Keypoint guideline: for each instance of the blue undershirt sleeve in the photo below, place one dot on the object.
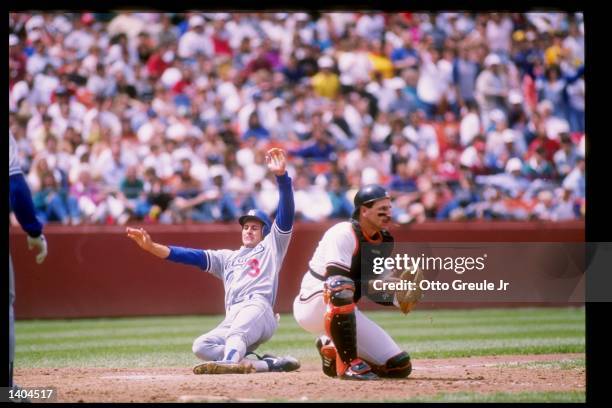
(286, 207)
(188, 256)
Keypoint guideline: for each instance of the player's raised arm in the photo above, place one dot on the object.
(277, 163)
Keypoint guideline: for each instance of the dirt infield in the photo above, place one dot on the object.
(483, 375)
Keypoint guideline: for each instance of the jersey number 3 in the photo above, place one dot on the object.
(254, 267)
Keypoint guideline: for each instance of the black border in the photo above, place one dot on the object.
(597, 23)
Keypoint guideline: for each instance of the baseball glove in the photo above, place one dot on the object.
(406, 299)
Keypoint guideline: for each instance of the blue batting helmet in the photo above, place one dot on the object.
(257, 215)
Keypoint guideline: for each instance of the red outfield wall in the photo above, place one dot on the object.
(96, 271)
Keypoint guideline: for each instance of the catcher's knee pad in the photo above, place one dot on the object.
(338, 290)
(340, 322)
(398, 366)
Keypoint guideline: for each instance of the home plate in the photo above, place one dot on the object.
(143, 377)
(216, 398)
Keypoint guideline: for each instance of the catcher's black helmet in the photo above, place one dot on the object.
(368, 194)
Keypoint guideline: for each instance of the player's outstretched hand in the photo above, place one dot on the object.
(276, 159)
(141, 237)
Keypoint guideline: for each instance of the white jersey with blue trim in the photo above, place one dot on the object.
(250, 272)
(14, 165)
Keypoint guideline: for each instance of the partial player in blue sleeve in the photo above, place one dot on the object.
(20, 200)
(250, 278)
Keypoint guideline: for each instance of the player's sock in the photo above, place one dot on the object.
(261, 366)
(235, 349)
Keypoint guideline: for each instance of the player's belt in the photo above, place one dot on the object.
(316, 275)
(245, 298)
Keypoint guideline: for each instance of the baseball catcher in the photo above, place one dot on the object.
(250, 278)
(351, 345)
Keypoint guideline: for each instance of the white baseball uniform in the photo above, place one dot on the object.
(337, 248)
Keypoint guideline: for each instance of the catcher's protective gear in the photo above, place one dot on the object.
(260, 216)
(340, 319)
(398, 366)
(357, 370)
(368, 194)
(407, 298)
(338, 290)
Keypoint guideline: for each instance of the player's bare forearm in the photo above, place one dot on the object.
(159, 250)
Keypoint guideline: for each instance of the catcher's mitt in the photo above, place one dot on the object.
(407, 298)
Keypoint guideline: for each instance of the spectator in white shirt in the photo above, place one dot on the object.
(371, 25)
(37, 62)
(312, 203)
(433, 82)
(44, 84)
(79, 39)
(75, 110)
(100, 118)
(574, 43)
(499, 33)
(575, 180)
(363, 157)
(565, 158)
(159, 160)
(423, 135)
(491, 88)
(470, 126)
(353, 62)
(195, 41)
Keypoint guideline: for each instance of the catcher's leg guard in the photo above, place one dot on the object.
(340, 325)
(398, 366)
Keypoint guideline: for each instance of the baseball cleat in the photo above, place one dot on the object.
(327, 351)
(360, 371)
(281, 364)
(224, 367)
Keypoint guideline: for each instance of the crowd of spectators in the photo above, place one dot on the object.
(166, 117)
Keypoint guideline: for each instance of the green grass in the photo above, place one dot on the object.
(166, 341)
(557, 396)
